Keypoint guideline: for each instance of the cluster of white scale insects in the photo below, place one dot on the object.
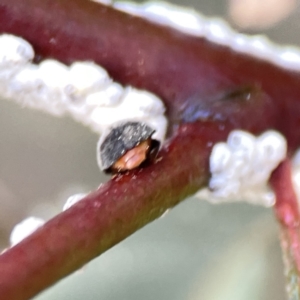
(31, 224)
(83, 90)
(215, 30)
(240, 168)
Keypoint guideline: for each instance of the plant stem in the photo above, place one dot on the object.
(287, 213)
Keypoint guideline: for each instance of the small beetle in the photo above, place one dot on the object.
(126, 146)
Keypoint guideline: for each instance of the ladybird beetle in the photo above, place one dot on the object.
(126, 146)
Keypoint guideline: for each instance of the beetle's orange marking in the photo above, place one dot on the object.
(133, 158)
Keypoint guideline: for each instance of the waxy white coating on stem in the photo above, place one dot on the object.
(31, 224)
(83, 90)
(241, 167)
(105, 2)
(213, 29)
(296, 174)
(24, 229)
(73, 200)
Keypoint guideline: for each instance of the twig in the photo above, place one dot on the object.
(287, 213)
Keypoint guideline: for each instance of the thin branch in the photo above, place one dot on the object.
(110, 214)
(287, 213)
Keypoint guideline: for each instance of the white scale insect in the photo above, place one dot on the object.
(241, 167)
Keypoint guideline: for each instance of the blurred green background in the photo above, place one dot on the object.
(196, 251)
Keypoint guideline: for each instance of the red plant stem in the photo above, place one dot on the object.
(189, 73)
(108, 215)
(205, 85)
(287, 213)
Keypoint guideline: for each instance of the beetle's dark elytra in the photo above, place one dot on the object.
(122, 138)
